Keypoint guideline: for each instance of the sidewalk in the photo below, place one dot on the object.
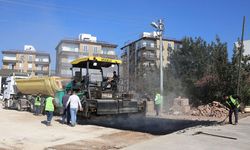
(228, 137)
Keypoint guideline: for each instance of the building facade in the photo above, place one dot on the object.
(142, 57)
(26, 61)
(86, 45)
(246, 44)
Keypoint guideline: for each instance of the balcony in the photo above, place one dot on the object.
(66, 53)
(45, 72)
(67, 65)
(40, 71)
(106, 56)
(124, 54)
(147, 47)
(41, 63)
(147, 57)
(9, 60)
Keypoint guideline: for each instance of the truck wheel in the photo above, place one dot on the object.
(5, 104)
(31, 108)
(19, 108)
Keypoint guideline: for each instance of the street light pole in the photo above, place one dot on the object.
(160, 28)
(240, 55)
(161, 59)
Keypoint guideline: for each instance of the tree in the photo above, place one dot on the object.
(189, 64)
(201, 68)
(245, 74)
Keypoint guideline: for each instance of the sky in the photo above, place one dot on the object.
(43, 23)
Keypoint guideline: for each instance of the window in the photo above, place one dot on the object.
(152, 44)
(45, 59)
(30, 66)
(146, 64)
(30, 57)
(177, 46)
(109, 51)
(85, 48)
(42, 59)
(169, 45)
(70, 47)
(39, 67)
(71, 58)
(66, 72)
(10, 66)
(39, 74)
(95, 50)
(105, 51)
(152, 64)
(20, 65)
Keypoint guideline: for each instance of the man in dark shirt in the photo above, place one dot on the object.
(66, 110)
(114, 81)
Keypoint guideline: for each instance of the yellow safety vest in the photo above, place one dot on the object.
(38, 101)
(232, 102)
(49, 104)
(158, 99)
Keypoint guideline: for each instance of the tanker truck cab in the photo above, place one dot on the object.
(97, 79)
(10, 90)
(10, 85)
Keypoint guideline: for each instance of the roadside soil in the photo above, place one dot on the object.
(23, 130)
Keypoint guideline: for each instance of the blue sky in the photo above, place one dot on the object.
(43, 23)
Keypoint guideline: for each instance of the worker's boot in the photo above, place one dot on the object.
(48, 123)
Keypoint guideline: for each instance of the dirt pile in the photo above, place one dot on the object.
(214, 109)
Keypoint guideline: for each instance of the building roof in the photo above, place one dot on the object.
(101, 62)
(152, 38)
(24, 52)
(77, 41)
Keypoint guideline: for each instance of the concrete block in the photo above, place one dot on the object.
(185, 109)
(150, 107)
(184, 102)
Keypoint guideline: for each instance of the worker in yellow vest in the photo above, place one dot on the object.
(233, 104)
(49, 108)
(37, 104)
(158, 102)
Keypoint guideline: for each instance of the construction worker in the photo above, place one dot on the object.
(37, 104)
(158, 102)
(233, 104)
(66, 110)
(114, 81)
(49, 108)
(74, 102)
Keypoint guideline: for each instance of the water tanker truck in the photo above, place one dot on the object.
(21, 90)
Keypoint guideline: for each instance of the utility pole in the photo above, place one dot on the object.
(160, 28)
(240, 55)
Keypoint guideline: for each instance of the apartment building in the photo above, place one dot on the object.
(143, 56)
(86, 45)
(246, 44)
(27, 61)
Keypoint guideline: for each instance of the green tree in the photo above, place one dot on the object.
(189, 64)
(244, 72)
(201, 68)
